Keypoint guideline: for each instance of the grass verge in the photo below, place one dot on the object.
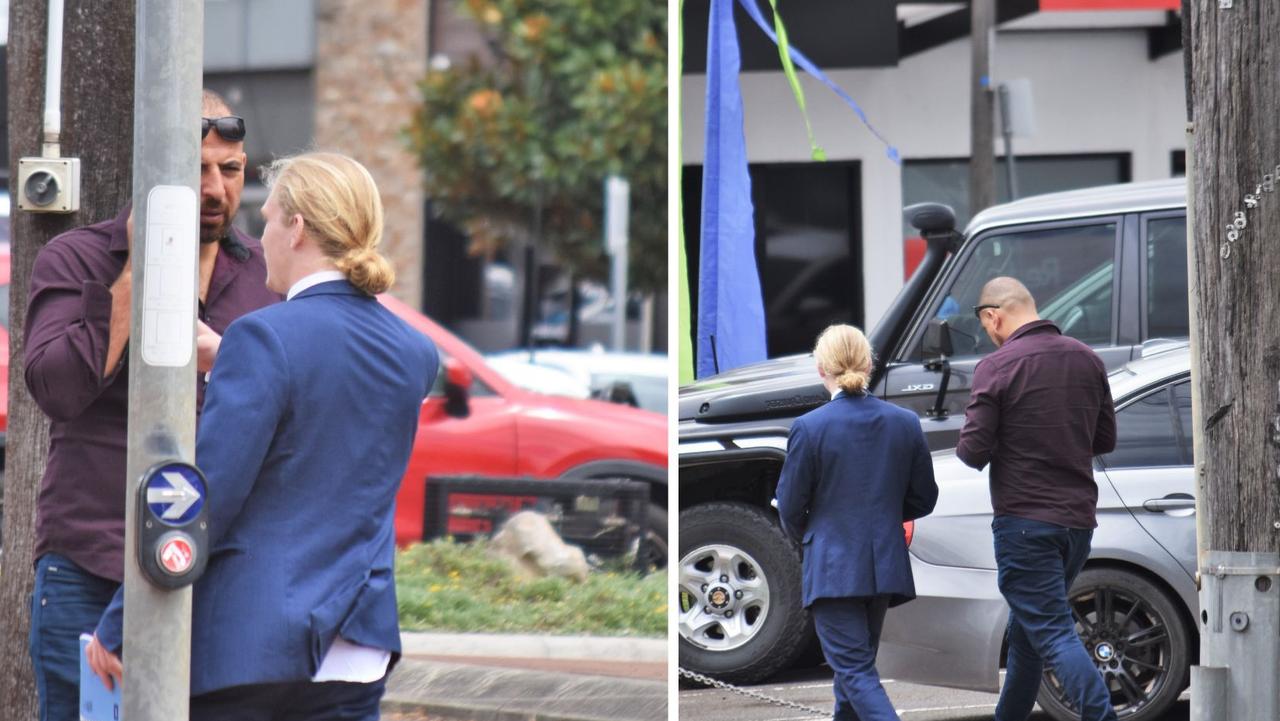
(448, 586)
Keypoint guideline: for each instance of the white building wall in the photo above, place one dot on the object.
(1094, 92)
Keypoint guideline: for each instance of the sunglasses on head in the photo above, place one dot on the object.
(229, 127)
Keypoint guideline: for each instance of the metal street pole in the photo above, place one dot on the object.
(162, 417)
(617, 208)
(1006, 130)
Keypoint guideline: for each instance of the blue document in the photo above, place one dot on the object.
(96, 702)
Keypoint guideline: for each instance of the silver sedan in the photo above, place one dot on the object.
(1134, 603)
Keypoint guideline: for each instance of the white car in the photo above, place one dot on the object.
(539, 379)
(609, 375)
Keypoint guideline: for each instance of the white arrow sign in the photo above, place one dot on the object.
(182, 496)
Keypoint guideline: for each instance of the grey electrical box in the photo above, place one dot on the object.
(48, 185)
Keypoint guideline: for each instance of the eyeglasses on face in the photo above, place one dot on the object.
(229, 127)
(977, 309)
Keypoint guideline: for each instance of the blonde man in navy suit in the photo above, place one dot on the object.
(856, 469)
(307, 428)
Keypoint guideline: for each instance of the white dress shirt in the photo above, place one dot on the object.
(314, 279)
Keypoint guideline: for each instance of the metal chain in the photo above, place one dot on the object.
(708, 681)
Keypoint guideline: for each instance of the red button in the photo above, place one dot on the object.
(176, 556)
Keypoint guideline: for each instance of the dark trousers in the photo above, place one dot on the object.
(296, 701)
(849, 631)
(66, 602)
(1036, 564)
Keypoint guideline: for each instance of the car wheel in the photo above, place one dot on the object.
(740, 614)
(653, 545)
(1137, 637)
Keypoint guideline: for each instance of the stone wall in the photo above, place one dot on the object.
(370, 55)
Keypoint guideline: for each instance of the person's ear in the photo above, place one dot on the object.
(296, 225)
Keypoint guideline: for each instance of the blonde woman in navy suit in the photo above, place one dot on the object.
(856, 469)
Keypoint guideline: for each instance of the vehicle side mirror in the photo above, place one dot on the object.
(620, 392)
(457, 389)
(937, 339)
(936, 347)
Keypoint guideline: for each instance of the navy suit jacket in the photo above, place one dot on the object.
(856, 468)
(306, 432)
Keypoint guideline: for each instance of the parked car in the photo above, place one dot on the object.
(1135, 603)
(645, 375)
(1107, 264)
(476, 422)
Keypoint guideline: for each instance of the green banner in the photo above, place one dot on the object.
(685, 352)
(784, 52)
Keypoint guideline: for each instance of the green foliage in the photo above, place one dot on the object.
(447, 586)
(575, 90)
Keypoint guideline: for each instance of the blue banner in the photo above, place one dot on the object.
(731, 329)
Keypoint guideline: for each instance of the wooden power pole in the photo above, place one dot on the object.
(982, 147)
(97, 127)
(1234, 168)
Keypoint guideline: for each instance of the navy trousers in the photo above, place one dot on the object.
(1037, 563)
(297, 701)
(849, 631)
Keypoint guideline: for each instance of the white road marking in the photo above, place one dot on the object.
(947, 708)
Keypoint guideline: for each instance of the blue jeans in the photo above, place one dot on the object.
(1036, 564)
(849, 631)
(67, 601)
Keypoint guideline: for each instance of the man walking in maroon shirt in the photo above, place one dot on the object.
(76, 368)
(1039, 411)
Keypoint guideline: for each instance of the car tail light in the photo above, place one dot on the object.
(909, 528)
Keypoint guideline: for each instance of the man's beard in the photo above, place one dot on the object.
(216, 233)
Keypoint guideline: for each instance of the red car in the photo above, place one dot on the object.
(499, 430)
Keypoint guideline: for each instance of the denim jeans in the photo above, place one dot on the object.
(67, 601)
(1036, 564)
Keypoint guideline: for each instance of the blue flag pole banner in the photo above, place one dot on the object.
(731, 330)
(753, 10)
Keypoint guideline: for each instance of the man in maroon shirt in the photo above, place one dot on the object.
(77, 370)
(1039, 411)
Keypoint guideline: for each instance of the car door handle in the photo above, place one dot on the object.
(1172, 502)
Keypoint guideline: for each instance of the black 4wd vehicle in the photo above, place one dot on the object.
(1108, 265)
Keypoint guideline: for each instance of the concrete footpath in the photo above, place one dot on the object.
(496, 677)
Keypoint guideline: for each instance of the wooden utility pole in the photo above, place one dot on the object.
(1236, 151)
(97, 127)
(1233, 170)
(982, 146)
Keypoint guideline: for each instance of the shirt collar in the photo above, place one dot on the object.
(1032, 327)
(119, 242)
(314, 279)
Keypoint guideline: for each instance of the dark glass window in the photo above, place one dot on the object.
(1182, 403)
(1167, 278)
(947, 180)
(1069, 271)
(1146, 435)
(808, 247)
(479, 389)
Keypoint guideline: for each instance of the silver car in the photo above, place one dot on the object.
(1134, 603)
